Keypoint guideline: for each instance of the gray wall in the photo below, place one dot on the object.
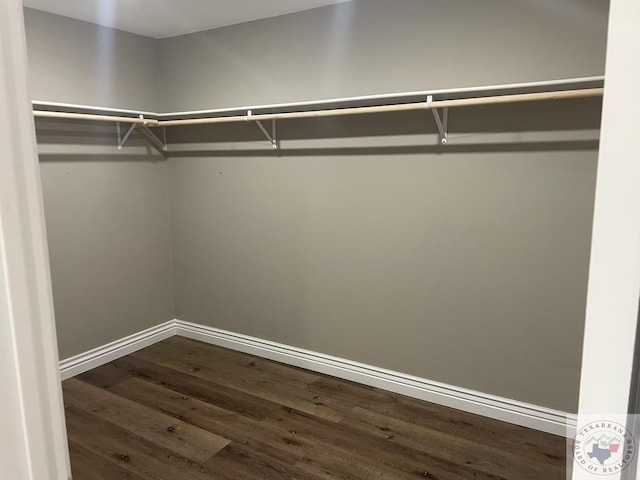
(106, 212)
(466, 265)
(109, 236)
(77, 62)
(469, 269)
(379, 46)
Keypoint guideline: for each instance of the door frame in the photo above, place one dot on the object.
(34, 443)
(606, 383)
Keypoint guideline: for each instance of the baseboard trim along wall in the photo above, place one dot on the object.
(499, 408)
(78, 364)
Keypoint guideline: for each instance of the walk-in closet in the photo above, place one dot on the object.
(324, 239)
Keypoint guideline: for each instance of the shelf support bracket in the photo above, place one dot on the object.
(272, 137)
(122, 139)
(154, 141)
(442, 124)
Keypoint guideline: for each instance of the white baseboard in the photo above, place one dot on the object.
(78, 364)
(492, 406)
(499, 408)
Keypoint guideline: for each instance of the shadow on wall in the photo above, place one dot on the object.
(486, 148)
(72, 140)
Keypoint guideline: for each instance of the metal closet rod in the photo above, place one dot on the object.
(463, 102)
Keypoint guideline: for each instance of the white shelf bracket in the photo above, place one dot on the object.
(442, 124)
(122, 139)
(160, 145)
(154, 141)
(272, 137)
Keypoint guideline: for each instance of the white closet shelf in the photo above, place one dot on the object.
(397, 98)
(141, 120)
(250, 115)
(434, 100)
(472, 93)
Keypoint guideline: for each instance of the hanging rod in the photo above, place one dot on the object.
(463, 102)
(93, 117)
(394, 97)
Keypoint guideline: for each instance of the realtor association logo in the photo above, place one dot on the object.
(604, 447)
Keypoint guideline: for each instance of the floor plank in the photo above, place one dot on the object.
(265, 384)
(184, 409)
(131, 452)
(246, 461)
(531, 444)
(87, 465)
(178, 436)
(211, 392)
(104, 376)
(481, 455)
(269, 440)
(382, 458)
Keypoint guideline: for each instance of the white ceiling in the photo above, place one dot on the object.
(168, 18)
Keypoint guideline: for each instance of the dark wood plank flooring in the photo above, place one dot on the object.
(185, 410)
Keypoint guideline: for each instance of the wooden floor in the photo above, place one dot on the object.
(184, 410)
